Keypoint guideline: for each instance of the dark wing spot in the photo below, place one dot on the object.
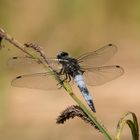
(109, 44)
(18, 77)
(15, 57)
(117, 66)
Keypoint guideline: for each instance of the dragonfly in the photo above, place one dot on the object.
(87, 69)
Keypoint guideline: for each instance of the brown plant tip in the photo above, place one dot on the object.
(74, 111)
(38, 49)
(2, 33)
(1, 45)
(1, 37)
(34, 46)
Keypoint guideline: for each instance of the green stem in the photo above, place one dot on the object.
(93, 118)
(84, 108)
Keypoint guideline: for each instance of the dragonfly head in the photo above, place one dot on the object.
(62, 55)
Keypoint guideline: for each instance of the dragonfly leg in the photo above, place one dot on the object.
(61, 72)
(60, 84)
(69, 78)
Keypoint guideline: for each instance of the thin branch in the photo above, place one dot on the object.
(4, 35)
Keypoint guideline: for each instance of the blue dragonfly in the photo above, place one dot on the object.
(87, 69)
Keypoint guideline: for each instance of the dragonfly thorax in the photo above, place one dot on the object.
(70, 65)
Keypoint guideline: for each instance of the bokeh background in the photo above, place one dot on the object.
(75, 26)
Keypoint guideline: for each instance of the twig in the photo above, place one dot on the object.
(4, 35)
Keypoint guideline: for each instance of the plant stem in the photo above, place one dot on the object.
(92, 117)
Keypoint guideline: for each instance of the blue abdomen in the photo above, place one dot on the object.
(82, 86)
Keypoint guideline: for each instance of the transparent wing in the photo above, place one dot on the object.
(99, 57)
(100, 75)
(28, 64)
(36, 81)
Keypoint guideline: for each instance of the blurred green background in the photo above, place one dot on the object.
(75, 26)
